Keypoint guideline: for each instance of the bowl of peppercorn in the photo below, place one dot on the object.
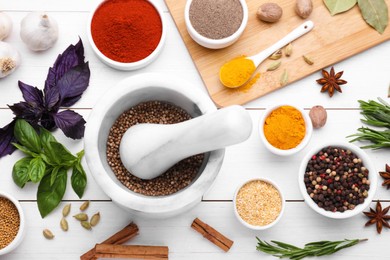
(12, 223)
(337, 180)
(127, 34)
(155, 99)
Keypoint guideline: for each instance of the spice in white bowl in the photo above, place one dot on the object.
(258, 204)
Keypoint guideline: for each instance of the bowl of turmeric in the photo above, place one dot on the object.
(285, 129)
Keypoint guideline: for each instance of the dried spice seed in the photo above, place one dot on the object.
(258, 203)
(48, 234)
(86, 225)
(84, 206)
(95, 219)
(81, 217)
(284, 78)
(64, 224)
(378, 217)
(288, 50)
(274, 65)
(173, 180)
(66, 210)
(9, 222)
(336, 179)
(308, 60)
(331, 81)
(276, 55)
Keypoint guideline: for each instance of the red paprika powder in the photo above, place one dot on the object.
(126, 30)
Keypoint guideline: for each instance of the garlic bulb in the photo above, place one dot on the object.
(9, 59)
(5, 25)
(39, 31)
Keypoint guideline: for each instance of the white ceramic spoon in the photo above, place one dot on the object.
(260, 57)
(148, 150)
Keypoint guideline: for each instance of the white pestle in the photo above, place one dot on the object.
(148, 150)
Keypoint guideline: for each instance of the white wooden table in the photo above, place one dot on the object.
(368, 76)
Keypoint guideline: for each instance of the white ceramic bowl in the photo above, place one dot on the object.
(373, 177)
(246, 224)
(19, 237)
(215, 43)
(128, 93)
(130, 65)
(277, 151)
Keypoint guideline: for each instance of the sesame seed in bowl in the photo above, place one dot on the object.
(258, 204)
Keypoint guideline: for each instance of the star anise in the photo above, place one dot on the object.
(378, 217)
(331, 81)
(386, 175)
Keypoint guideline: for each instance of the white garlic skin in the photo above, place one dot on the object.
(39, 31)
(9, 59)
(5, 25)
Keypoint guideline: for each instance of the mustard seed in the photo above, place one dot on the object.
(9, 222)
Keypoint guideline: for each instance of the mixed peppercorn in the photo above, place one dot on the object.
(336, 179)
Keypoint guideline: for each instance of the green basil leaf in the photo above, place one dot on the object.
(20, 171)
(24, 150)
(375, 13)
(51, 156)
(49, 196)
(339, 6)
(36, 169)
(80, 154)
(79, 179)
(65, 157)
(54, 174)
(27, 136)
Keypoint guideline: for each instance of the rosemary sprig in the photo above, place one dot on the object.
(375, 114)
(283, 250)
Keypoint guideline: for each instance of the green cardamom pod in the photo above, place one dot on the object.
(95, 219)
(84, 206)
(66, 210)
(274, 65)
(64, 224)
(284, 78)
(86, 225)
(81, 217)
(48, 234)
(288, 50)
(276, 55)
(308, 60)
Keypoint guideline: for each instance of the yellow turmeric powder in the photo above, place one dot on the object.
(285, 128)
(236, 72)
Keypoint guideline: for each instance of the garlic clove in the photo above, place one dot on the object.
(39, 31)
(9, 59)
(5, 25)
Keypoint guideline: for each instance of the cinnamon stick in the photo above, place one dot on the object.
(212, 235)
(127, 233)
(130, 251)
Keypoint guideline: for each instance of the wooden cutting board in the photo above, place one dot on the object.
(333, 39)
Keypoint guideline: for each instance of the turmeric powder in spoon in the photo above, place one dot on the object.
(236, 72)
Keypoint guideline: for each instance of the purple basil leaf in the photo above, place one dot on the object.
(71, 123)
(32, 95)
(71, 57)
(52, 98)
(47, 121)
(6, 139)
(72, 85)
(25, 111)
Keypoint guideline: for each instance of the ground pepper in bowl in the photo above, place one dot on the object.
(178, 176)
(126, 30)
(9, 222)
(336, 179)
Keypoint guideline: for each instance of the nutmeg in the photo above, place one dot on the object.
(318, 116)
(269, 12)
(303, 8)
